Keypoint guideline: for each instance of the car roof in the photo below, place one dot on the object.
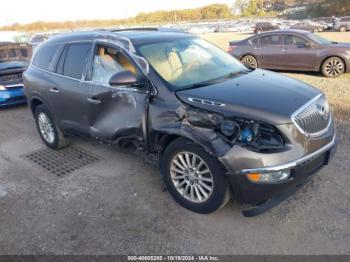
(136, 36)
(287, 31)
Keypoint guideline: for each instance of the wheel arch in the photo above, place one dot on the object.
(329, 56)
(34, 103)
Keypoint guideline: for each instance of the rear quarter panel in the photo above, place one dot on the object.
(36, 85)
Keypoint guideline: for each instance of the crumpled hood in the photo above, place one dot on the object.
(258, 95)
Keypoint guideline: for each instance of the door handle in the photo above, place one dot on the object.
(54, 90)
(94, 101)
(257, 48)
(285, 50)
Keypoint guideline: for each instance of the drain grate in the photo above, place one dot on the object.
(64, 161)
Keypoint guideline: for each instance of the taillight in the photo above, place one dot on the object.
(231, 48)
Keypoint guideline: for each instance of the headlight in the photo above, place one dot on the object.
(2, 88)
(256, 136)
(272, 177)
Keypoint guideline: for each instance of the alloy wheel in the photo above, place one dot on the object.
(250, 62)
(191, 177)
(334, 67)
(46, 128)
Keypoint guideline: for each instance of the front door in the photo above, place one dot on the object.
(297, 55)
(115, 112)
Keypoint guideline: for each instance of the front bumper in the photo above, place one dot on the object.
(272, 193)
(12, 97)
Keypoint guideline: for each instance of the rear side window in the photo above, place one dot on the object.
(270, 40)
(345, 19)
(44, 58)
(75, 60)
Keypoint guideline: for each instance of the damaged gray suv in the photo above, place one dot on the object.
(219, 129)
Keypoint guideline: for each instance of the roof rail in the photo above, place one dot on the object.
(159, 29)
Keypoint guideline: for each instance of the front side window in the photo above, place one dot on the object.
(293, 40)
(255, 41)
(44, 57)
(189, 61)
(319, 39)
(75, 60)
(107, 62)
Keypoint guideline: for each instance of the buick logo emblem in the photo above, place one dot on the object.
(323, 111)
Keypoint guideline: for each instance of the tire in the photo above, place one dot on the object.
(188, 190)
(249, 61)
(48, 131)
(333, 67)
(342, 29)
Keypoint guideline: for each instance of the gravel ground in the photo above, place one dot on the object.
(118, 205)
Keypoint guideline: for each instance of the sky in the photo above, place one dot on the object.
(26, 11)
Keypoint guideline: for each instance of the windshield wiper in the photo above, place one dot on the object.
(217, 80)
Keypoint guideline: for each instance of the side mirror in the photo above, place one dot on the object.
(123, 78)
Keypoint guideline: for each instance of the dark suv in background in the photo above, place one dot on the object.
(216, 126)
(264, 26)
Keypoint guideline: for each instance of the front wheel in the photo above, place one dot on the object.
(194, 178)
(333, 67)
(47, 129)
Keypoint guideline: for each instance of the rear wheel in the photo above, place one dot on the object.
(333, 67)
(194, 178)
(47, 129)
(249, 61)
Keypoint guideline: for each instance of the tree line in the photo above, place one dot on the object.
(313, 8)
(214, 11)
(240, 8)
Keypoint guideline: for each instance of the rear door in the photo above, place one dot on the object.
(68, 96)
(115, 112)
(296, 54)
(269, 50)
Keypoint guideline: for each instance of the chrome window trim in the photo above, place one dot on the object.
(53, 73)
(289, 165)
(301, 109)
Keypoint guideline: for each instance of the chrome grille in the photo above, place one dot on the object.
(314, 118)
(13, 77)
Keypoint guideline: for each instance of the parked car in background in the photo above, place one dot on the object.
(216, 126)
(38, 39)
(293, 50)
(264, 26)
(14, 59)
(342, 24)
(328, 21)
(309, 26)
